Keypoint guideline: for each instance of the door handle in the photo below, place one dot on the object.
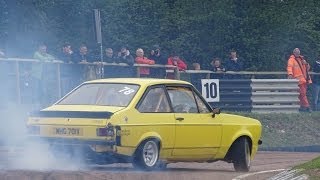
(179, 118)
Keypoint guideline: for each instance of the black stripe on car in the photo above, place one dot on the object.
(73, 114)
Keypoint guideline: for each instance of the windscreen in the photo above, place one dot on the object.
(104, 94)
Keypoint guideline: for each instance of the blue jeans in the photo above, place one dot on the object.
(316, 91)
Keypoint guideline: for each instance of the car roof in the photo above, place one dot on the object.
(139, 81)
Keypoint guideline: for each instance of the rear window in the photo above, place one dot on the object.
(104, 94)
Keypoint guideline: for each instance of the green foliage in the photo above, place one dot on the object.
(3, 22)
(263, 32)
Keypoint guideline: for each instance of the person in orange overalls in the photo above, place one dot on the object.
(298, 68)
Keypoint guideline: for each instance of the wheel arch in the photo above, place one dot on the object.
(147, 136)
(229, 154)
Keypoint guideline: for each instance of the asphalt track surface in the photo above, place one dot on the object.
(266, 164)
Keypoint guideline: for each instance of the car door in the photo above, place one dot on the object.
(198, 134)
(156, 118)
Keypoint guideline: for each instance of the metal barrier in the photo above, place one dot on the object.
(248, 94)
(57, 78)
(259, 95)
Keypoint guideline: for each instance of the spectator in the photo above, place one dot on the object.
(70, 72)
(316, 84)
(107, 71)
(298, 68)
(124, 56)
(140, 59)
(196, 66)
(196, 77)
(109, 58)
(42, 54)
(88, 71)
(159, 58)
(176, 61)
(120, 70)
(67, 55)
(217, 68)
(83, 56)
(42, 78)
(234, 64)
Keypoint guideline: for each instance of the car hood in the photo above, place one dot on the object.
(239, 119)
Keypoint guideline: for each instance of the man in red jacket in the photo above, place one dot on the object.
(176, 61)
(140, 59)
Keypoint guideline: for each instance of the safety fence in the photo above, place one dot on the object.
(26, 81)
(239, 91)
(259, 95)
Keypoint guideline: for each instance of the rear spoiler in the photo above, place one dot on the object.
(73, 114)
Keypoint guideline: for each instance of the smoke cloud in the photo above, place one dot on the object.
(18, 153)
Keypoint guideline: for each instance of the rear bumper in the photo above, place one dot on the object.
(70, 141)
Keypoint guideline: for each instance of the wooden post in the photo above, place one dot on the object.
(18, 82)
(138, 71)
(208, 76)
(176, 73)
(59, 80)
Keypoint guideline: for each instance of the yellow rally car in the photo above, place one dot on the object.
(149, 122)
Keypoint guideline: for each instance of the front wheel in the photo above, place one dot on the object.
(242, 155)
(147, 155)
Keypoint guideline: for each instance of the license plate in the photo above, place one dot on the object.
(63, 131)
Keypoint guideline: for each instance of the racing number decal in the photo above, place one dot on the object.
(210, 90)
(126, 91)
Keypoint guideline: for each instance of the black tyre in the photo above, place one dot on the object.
(147, 155)
(242, 155)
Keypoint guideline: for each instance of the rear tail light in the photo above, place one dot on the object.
(33, 129)
(106, 131)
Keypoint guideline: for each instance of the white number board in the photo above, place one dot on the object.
(210, 90)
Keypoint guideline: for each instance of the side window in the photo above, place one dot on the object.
(202, 105)
(182, 100)
(155, 101)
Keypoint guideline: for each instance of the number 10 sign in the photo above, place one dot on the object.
(210, 90)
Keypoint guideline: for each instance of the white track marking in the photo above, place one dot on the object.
(260, 172)
(301, 177)
(288, 174)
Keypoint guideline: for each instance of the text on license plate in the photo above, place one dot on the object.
(68, 131)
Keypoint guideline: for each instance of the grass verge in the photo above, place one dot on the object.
(288, 130)
(312, 168)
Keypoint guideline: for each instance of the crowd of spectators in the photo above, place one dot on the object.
(124, 57)
(82, 65)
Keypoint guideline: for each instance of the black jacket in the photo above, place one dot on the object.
(158, 72)
(316, 69)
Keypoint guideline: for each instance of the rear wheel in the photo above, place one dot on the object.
(147, 155)
(242, 155)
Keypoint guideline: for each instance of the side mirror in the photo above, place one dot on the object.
(215, 111)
